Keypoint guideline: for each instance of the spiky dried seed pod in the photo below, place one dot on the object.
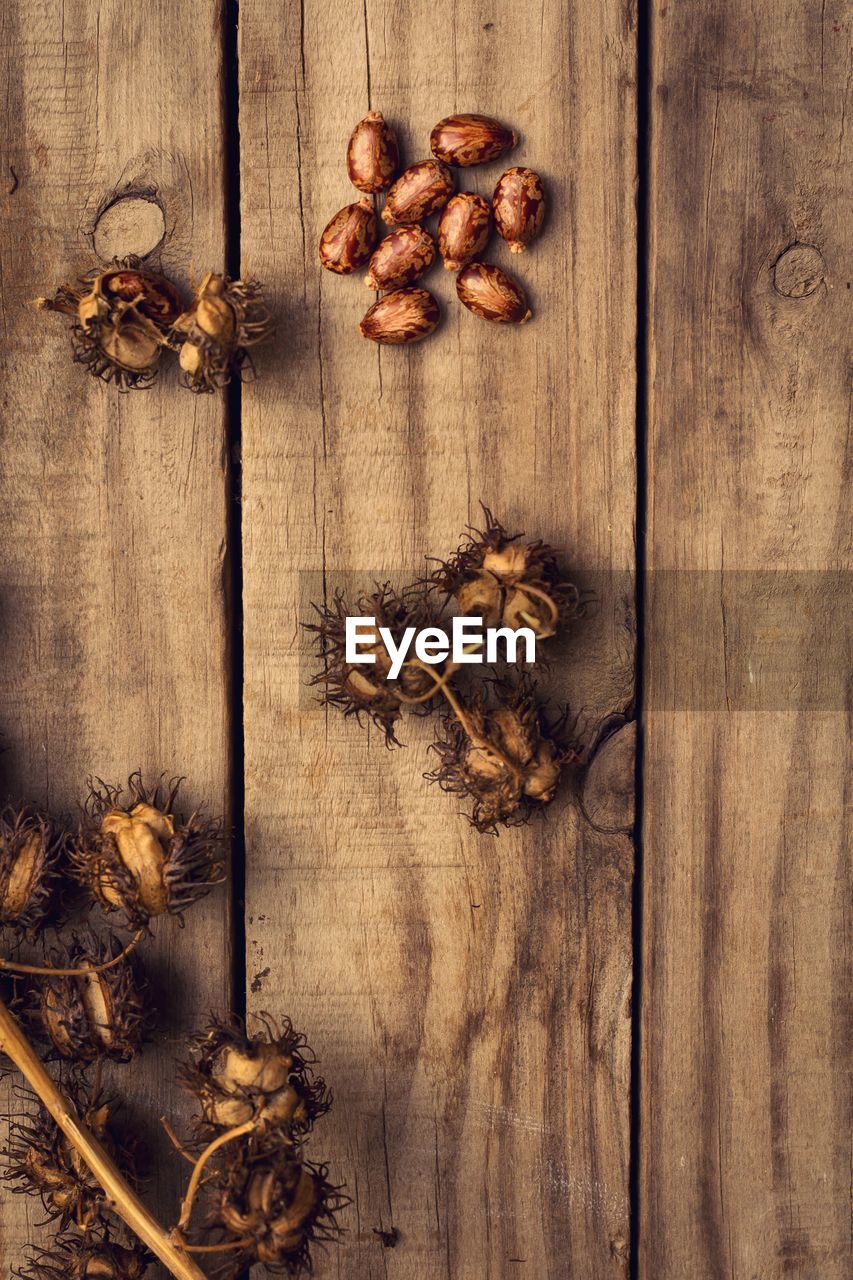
(100, 1015)
(420, 191)
(372, 154)
(491, 294)
(90, 1257)
(40, 1160)
(122, 316)
(280, 1206)
(347, 241)
(470, 139)
(519, 207)
(30, 851)
(365, 690)
(137, 856)
(505, 761)
(401, 258)
(406, 315)
(213, 336)
(265, 1078)
(506, 582)
(463, 229)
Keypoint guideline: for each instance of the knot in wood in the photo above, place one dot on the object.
(798, 271)
(132, 224)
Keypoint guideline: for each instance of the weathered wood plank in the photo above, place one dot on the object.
(112, 539)
(745, 1105)
(468, 997)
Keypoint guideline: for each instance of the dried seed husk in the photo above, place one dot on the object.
(506, 759)
(122, 316)
(348, 239)
(465, 140)
(401, 258)
(364, 691)
(137, 856)
(100, 1015)
(372, 154)
(31, 849)
(463, 229)
(280, 1205)
(406, 315)
(421, 190)
(214, 335)
(265, 1078)
(40, 1160)
(507, 582)
(518, 205)
(88, 1257)
(491, 294)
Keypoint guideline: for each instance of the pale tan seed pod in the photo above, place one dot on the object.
(465, 140)
(401, 258)
(463, 229)
(519, 207)
(213, 336)
(347, 241)
(492, 294)
(372, 154)
(30, 850)
(420, 191)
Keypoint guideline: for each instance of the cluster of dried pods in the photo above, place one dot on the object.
(87, 1003)
(497, 747)
(127, 315)
(349, 242)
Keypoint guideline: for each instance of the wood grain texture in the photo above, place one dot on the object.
(112, 540)
(745, 1099)
(469, 998)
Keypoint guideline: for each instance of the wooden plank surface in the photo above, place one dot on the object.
(112, 541)
(745, 1103)
(469, 998)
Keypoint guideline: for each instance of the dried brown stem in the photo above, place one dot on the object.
(82, 971)
(230, 1135)
(124, 1199)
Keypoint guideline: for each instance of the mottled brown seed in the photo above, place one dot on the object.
(401, 258)
(491, 294)
(463, 229)
(519, 207)
(470, 139)
(407, 315)
(372, 154)
(348, 240)
(420, 190)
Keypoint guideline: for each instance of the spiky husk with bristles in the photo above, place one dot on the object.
(88, 1257)
(213, 336)
(266, 1077)
(506, 582)
(121, 318)
(30, 852)
(101, 1015)
(136, 856)
(364, 690)
(40, 1160)
(280, 1205)
(510, 762)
